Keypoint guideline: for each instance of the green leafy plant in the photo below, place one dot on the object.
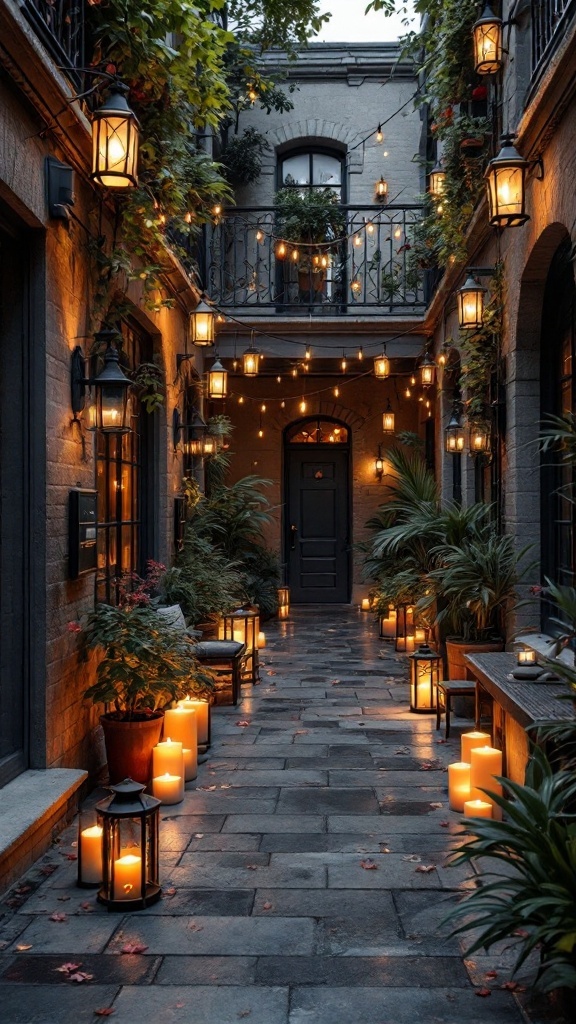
(536, 903)
(309, 217)
(262, 577)
(204, 581)
(242, 157)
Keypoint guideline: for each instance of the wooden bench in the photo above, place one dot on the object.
(446, 690)
(516, 704)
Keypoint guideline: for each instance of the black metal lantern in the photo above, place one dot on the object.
(217, 380)
(506, 185)
(424, 679)
(130, 862)
(487, 35)
(381, 190)
(437, 181)
(525, 656)
(405, 628)
(381, 366)
(283, 602)
(479, 438)
(470, 302)
(115, 142)
(427, 370)
(379, 464)
(243, 626)
(388, 420)
(202, 325)
(194, 434)
(251, 362)
(108, 407)
(455, 434)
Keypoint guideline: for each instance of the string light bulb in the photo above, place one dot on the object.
(336, 392)
(281, 250)
(278, 379)
(260, 432)
(357, 240)
(379, 135)
(263, 408)
(360, 354)
(259, 235)
(295, 255)
(217, 210)
(282, 404)
(294, 371)
(344, 364)
(398, 233)
(308, 353)
(303, 406)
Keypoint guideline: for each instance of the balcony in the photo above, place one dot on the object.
(60, 24)
(368, 272)
(549, 22)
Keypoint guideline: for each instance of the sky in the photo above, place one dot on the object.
(348, 23)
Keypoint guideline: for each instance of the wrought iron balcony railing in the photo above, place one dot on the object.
(548, 16)
(60, 24)
(369, 270)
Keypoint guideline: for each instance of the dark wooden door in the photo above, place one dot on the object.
(317, 526)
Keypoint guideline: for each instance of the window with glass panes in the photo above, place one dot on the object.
(314, 168)
(119, 484)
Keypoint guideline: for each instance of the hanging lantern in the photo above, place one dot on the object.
(379, 464)
(454, 434)
(381, 190)
(470, 302)
(388, 624)
(108, 407)
(427, 370)
(251, 362)
(479, 439)
(217, 380)
(506, 185)
(115, 142)
(202, 325)
(487, 33)
(243, 626)
(437, 181)
(388, 420)
(424, 679)
(381, 366)
(130, 870)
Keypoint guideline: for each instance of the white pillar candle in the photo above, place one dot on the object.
(168, 789)
(470, 740)
(485, 764)
(420, 635)
(239, 636)
(458, 785)
(180, 725)
(190, 764)
(167, 756)
(202, 709)
(261, 640)
(477, 809)
(91, 854)
(410, 643)
(365, 604)
(128, 877)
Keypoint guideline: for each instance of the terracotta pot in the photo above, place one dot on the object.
(456, 649)
(129, 746)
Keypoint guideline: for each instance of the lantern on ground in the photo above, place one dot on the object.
(487, 35)
(381, 190)
(388, 420)
(217, 380)
(427, 370)
(470, 302)
(381, 366)
(107, 405)
(405, 628)
(388, 624)
(424, 679)
(479, 439)
(437, 181)
(251, 362)
(525, 656)
(115, 142)
(506, 185)
(130, 867)
(283, 602)
(202, 325)
(243, 626)
(455, 434)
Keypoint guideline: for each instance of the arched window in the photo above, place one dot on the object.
(313, 168)
(317, 431)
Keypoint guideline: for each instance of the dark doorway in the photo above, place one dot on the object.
(317, 512)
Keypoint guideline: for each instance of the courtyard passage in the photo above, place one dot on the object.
(304, 874)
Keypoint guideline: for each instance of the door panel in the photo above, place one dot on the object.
(317, 506)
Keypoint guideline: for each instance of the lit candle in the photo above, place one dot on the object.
(202, 709)
(420, 635)
(167, 757)
(239, 636)
(168, 789)
(388, 624)
(365, 604)
(128, 877)
(91, 854)
(477, 809)
(261, 640)
(190, 764)
(410, 643)
(180, 724)
(458, 784)
(485, 764)
(526, 657)
(470, 740)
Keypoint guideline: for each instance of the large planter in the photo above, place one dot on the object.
(458, 668)
(129, 745)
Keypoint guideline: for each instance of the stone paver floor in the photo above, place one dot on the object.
(292, 872)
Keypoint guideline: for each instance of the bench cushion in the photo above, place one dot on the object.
(218, 649)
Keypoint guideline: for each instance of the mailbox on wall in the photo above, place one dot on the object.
(82, 526)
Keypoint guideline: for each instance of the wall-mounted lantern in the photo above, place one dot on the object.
(381, 190)
(202, 325)
(470, 303)
(455, 433)
(379, 464)
(437, 182)
(479, 439)
(506, 185)
(487, 34)
(107, 407)
(427, 370)
(115, 136)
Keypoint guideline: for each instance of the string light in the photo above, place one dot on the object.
(282, 404)
(355, 286)
(379, 134)
(370, 228)
(413, 380)
(279, 379)
(295, 255)
(344, 364)
(360, 354)
(294, 371)
(398, 233)
(407, 393)
(357, 240)
(336, 392)
(308, 353)
(263, 408)
(303, 407)
(217, 210)
(281, 251)
(259, 236)
(241, 400)
(260, 432)
(188, 218)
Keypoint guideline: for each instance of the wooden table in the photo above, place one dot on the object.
(517, 703)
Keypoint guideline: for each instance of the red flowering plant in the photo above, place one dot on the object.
(147, 663)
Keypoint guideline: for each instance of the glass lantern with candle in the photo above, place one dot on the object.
(283, 602)
(525, 656)
(405, 628)
(424, 678)
(130, 860)
(243, 626)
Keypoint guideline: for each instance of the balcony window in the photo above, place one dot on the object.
(312, 169)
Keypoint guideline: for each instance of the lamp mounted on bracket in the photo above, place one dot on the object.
(379, 464)
(108, 409)
(470, 298)
(115, 139)
(202, 325)
(427, 370)
(505, 178)
(194, 433)
(455, 431)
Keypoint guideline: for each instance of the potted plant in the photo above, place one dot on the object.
(311, 218)
(146, 664)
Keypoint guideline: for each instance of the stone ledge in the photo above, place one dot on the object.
(33, 805)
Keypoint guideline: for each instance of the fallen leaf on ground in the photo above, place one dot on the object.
(48, 869)
(426, 767)
(193, 927)
(226, 785)
(242, 724)
(57, 916)
(491, 974)
(383, 848)
(267, 906)
(67, 968)
(482, 992)
(441, 741)
(252, 867)
(413, 857)
(301, 732)
(88, 907)
(271, 673)
(105, 1011)
(521, 933)
(23, 947)
(511, 986)
(169, 892)
(198, 835)
(436, 806)
(425, 869)
(80, 976)
(71, 856)
(63, 899)
(134, 947)
(368, 864)
(444, 824)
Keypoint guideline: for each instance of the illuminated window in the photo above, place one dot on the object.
(317, 431)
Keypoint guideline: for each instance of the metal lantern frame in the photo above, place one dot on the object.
(388, 420)
(437, 181)
(283, 602)
(427, 370)
(217, 379)
(115, 141)
(251, 362)
(405, 628)
(129, 813)
(424, 678)
(108, 408)
(381, 366)
(470, 299)
(379, 464)
(454, 434)
(381, 191)
(203, 325)
(505, 178)
(487, 34)
(243, 626)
